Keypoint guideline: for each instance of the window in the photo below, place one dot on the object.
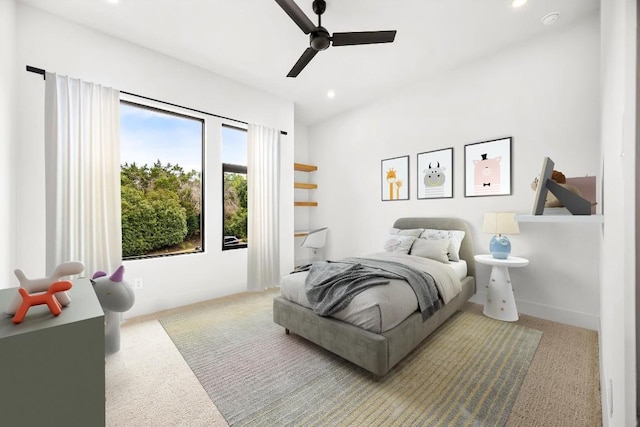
(234, 191)
(161, 182)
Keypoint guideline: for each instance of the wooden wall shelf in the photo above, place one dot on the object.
(301, 167)
(304, 168)
(305, 186)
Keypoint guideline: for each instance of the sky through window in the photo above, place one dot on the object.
(148, 136)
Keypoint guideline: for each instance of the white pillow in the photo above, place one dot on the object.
(433, 249)
(416, 232)
(455, 240)
(398, 243)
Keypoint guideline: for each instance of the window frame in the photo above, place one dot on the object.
(230, 168)
(163, 110)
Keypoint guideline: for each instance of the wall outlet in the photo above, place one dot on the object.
(137, 283)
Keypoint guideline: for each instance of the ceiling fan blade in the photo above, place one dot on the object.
(302, 62)
(363, 37)
(298, 16)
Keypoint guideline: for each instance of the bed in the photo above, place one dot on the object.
(376, 351)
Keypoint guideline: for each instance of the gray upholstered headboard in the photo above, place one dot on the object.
(466, 249)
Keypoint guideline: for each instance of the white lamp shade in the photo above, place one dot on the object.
(500, 223)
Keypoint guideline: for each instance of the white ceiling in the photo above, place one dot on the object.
(256, 43)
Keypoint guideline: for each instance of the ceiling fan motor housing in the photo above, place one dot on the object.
(319, 6)
(319, 39)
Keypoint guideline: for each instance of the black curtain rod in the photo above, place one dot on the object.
(44, 76)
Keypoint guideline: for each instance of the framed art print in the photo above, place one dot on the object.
(395, 178)
(487, 168)
(435, 174)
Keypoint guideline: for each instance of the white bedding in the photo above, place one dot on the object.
(381, 308)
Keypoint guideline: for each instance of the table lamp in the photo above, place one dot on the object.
(500, 223)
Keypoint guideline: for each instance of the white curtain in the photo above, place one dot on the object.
(82, 166)
(263, 181)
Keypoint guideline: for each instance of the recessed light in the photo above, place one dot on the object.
(550, 18)
(518, 3)
(331, 94)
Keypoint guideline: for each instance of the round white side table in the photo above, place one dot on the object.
(500, 302)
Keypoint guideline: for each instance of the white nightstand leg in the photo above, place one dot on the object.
(500, 303)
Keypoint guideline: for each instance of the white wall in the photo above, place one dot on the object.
(617, 291)
(302, 213)
(545, 95)
(60, 46)
(7, 135)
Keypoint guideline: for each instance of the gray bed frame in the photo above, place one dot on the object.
(378, 353)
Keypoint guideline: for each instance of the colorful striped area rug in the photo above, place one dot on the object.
(467, 373)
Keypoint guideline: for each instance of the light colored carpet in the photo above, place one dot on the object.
(149, 383)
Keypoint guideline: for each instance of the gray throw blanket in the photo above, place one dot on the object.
(330, 286)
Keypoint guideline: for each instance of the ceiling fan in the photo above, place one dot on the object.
(319, 38)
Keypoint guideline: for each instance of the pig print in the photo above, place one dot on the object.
(486, 176)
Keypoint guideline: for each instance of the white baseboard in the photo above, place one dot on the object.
(555, 314)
